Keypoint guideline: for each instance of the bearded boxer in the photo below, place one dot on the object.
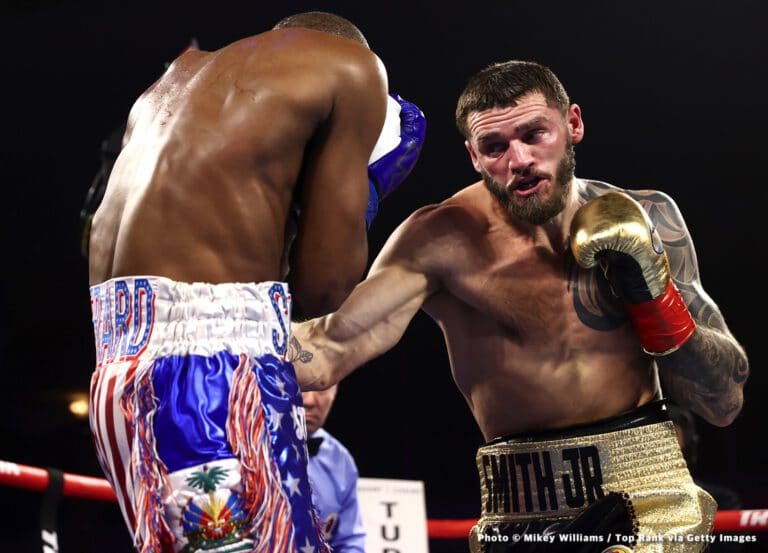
(197, 417)
(562, 301)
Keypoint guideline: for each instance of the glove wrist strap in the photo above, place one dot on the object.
(664, 323)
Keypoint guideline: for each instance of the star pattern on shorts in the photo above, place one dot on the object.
(280, 386)
(287, 433)
(275, 418)
(292, 484)
(307, 547)
(299, 422)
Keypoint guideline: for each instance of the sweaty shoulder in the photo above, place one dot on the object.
(436, 236)
(318, 53)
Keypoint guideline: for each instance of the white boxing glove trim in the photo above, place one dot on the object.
(390, 132)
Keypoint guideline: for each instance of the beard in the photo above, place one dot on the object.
(534, 209)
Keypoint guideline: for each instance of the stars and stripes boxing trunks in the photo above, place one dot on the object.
(197, 417)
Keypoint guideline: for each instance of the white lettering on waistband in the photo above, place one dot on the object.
(281, 304)
(123, 313)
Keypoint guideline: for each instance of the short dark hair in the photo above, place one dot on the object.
(325, 22)
(502, 84)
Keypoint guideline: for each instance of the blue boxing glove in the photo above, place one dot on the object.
(396, 151)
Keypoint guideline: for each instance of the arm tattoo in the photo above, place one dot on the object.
(297, 353)
(708, 373)
(595, 304)
(593, 190)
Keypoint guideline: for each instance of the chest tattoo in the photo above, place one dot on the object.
(595, 304)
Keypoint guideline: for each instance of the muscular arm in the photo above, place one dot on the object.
(707, 374)
(331, 249)
(374, 316)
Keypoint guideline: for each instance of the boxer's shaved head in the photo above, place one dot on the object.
(325, 22)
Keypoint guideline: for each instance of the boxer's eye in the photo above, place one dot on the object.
(533, 136)
(493, 148)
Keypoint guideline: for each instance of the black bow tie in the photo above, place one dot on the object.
(313, 445)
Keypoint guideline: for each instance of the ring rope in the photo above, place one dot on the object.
(88, 487)
(37, 479)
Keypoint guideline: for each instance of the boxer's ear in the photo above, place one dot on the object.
(575, 123)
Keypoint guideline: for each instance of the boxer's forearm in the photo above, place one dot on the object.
(371, 321)
(326, 349)
(707, 375)
(314, 356)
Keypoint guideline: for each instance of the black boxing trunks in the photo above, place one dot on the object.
(619, 484)
(197, 417)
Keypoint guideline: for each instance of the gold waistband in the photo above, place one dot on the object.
(559, 478)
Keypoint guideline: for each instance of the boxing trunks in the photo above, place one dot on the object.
(197, 417)
(617, 482)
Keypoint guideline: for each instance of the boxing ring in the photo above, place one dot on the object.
(54, 484)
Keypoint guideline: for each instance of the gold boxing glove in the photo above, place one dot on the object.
(616, 232)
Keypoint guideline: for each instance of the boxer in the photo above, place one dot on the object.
(569, 307)
(243, 172)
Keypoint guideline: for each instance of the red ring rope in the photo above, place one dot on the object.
(36, 479)
(87, 487)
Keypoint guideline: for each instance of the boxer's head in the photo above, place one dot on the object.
(317, 405)
(503, 84)
(325, 22)
(520, 130)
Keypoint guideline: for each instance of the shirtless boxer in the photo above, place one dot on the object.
(197, 418)
(558, 361)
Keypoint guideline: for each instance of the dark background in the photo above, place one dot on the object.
(673, 98)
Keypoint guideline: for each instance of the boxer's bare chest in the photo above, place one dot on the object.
(527, 291)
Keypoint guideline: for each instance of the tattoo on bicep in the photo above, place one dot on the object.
(298, 353)
(681, 254)
(668, 223)
(702, 309)
(592, 298)
(671, 229)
